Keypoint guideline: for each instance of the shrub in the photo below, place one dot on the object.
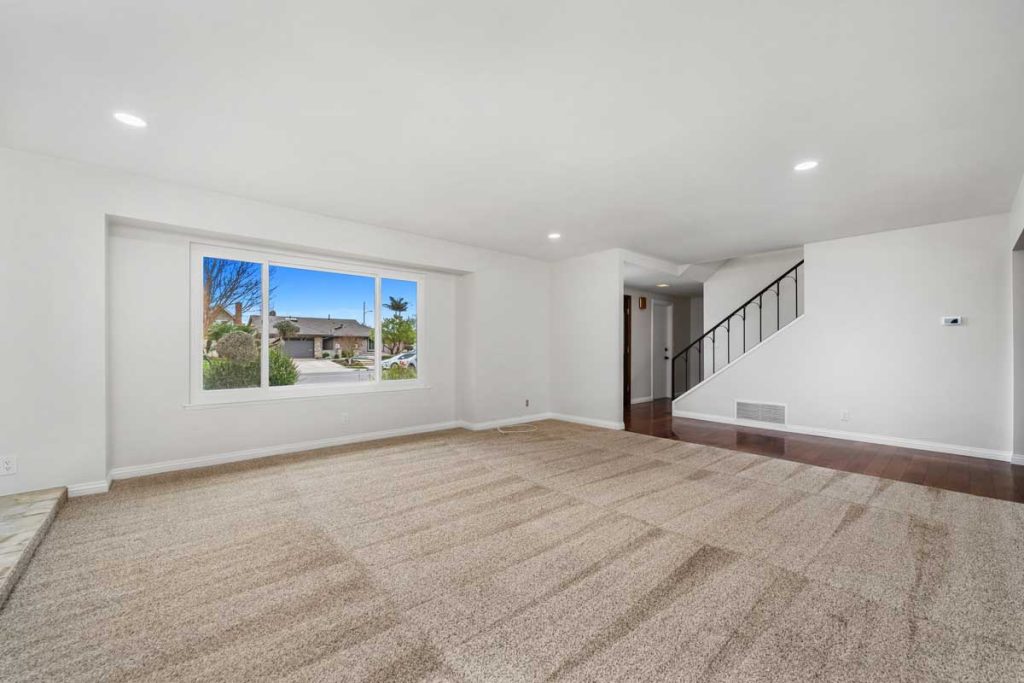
(398, 372)
(325, 354)
(238, 346)
(283, 370)
(219, 373)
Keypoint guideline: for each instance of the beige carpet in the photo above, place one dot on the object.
(571, 553)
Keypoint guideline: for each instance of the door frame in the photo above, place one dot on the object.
(627, 349)
(656, 349)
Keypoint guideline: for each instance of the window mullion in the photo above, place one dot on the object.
(377, 337)
(265, 328)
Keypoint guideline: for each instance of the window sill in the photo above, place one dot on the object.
(313, 395)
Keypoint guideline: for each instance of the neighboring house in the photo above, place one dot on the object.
(221, 314)
(316, 335)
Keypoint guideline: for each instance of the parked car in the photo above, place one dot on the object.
(398, 359)
(409, 362)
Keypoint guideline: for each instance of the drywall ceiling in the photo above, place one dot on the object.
(665, 127)
(681, 281)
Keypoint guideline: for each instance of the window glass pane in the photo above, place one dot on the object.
(232, 294)
(399, 358)
(321, 327)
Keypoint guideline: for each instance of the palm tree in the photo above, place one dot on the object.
(399, 305)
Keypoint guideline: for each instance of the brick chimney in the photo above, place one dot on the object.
(238, 313)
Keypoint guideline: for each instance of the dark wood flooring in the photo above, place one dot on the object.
(979, 476)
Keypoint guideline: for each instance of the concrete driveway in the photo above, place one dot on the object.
(319, 371)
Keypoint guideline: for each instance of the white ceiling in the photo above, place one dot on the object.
(681, 281)
(668, 127)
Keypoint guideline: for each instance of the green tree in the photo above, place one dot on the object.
(398, 333)
(223, 328)
(286, 328)
(238, 346)
(283, 370)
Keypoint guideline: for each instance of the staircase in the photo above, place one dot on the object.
(760, 317)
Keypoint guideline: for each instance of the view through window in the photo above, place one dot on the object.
(232, 293)
(321, 327)
(398, 329)
(317, 327)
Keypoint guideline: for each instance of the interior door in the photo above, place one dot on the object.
(661, 345)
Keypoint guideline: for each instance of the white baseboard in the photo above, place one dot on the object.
(645, 399)
(504, 422)
(536, 417)
(89, 488)
(604, 424)
(882, 440)
(253, 453)
(1017, 459)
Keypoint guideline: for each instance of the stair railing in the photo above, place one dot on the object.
(697, 346)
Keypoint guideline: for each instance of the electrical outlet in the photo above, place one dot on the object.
(8, 465)
(343, 418)
(527, 403)
(844, 415)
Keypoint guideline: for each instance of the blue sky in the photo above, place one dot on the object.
(316, 294)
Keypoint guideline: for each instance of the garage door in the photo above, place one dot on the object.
(299, 348)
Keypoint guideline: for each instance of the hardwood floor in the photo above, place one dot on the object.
(979, 476)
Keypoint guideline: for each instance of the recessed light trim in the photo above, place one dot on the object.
(806, 165)
(130, 119)
(554, 236)
(661, 284)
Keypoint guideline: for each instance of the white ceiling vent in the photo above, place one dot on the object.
(761, 412)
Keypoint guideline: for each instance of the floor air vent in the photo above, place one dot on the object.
(761, 412)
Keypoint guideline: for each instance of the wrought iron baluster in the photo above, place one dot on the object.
(778, 306)
(711, 336)
(728, 342)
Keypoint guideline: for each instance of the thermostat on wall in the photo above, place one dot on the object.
(952, 320)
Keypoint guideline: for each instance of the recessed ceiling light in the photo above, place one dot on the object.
(130, 119)
(661, 284)
(806, 165)
(555, 236)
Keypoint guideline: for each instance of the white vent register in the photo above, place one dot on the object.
(774, 413)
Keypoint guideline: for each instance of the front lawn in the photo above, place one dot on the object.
(398, 372)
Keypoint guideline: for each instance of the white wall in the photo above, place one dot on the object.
(54, 267)
(696, 317)
(504, 331)
(871, 341)
(680, 323)
(148, 369)
(739, 279)
(1016, 241)
(586, 328)
(1018, 353)
(1015, 227)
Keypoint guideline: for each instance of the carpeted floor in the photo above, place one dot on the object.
(571, 553)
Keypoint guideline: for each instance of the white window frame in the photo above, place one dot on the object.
(198, 396)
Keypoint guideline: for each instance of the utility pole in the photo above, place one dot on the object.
(365, 311)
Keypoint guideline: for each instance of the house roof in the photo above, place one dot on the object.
(316, 327)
